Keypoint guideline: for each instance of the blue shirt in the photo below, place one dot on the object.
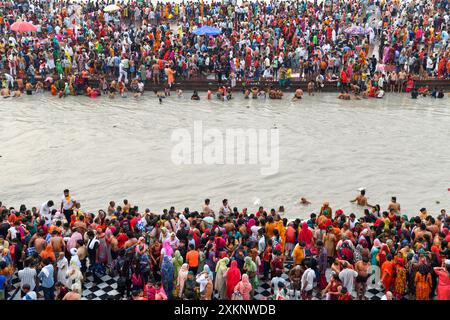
(47, 281)
(2, 281)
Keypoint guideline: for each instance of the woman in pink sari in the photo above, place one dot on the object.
(233, 276)
(244, 287)
(443, 289)
(167, 248)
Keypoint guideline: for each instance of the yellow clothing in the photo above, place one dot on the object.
(298, 254)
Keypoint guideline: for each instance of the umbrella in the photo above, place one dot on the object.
(111, 8)
(206, 30)
(357, 31)
(20, 26)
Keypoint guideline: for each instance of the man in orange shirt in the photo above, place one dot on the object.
(192, 259)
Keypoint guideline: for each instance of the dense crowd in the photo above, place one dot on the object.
(145, 42)
(224, 254)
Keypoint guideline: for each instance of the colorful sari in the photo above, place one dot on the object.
(423, 283)
(233, 278)
(400, 279)
(167, 271)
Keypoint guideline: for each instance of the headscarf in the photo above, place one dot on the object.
(141, 247)
(222, 264)
(244, 287)
(305, 235)
(168, 248)
(75, 260)
(249, 265)
(207, 269)
(377, 243)
(233, 278)
(177, 261)
(71, 243)
(245, 278)
(182, 276)
(167, 270)
(190, 283)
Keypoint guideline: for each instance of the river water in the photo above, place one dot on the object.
(107, 149)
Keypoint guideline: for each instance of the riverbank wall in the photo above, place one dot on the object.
(206, 84)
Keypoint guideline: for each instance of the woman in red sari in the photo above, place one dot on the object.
(384, 251)
(305, 235)
(233, 278)
(409, 84)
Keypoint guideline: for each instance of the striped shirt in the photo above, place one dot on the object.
(28, 276)
(46, 276)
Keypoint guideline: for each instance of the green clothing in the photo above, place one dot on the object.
(177, 262)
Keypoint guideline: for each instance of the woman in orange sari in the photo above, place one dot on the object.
(387, 273)
(423, 283)
(282, 232)
(400, 279)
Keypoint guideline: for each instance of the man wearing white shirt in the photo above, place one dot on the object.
(307, 282)
(348, 276)
(45, 212)
(67, 204)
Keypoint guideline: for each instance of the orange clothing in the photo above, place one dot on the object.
(387, 273)
(269, 229)
(170, 76)
(423, 286)
(192, 258)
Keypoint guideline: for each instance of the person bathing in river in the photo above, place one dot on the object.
(255, 93)
(344, 95)
(195, 96)
(311, 88)
(297, 95)
(361, 199)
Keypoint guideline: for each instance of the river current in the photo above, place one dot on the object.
(107, 149)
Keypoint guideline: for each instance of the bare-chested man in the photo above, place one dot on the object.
(132, 240)
(297, 95)
(155, 73)
(401, 80)
(82, 255)
(362, 267)
(421, 232)
(432, 227)
(57, 242)
(80, 225)
(311, 88)
(361, 199)
(394, 205)
(38, 241)
(114, 245)
(229, 226)
(74, 294)
(304, 202)
(111, 208)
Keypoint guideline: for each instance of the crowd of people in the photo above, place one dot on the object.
(361, 45)
(224, 254)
